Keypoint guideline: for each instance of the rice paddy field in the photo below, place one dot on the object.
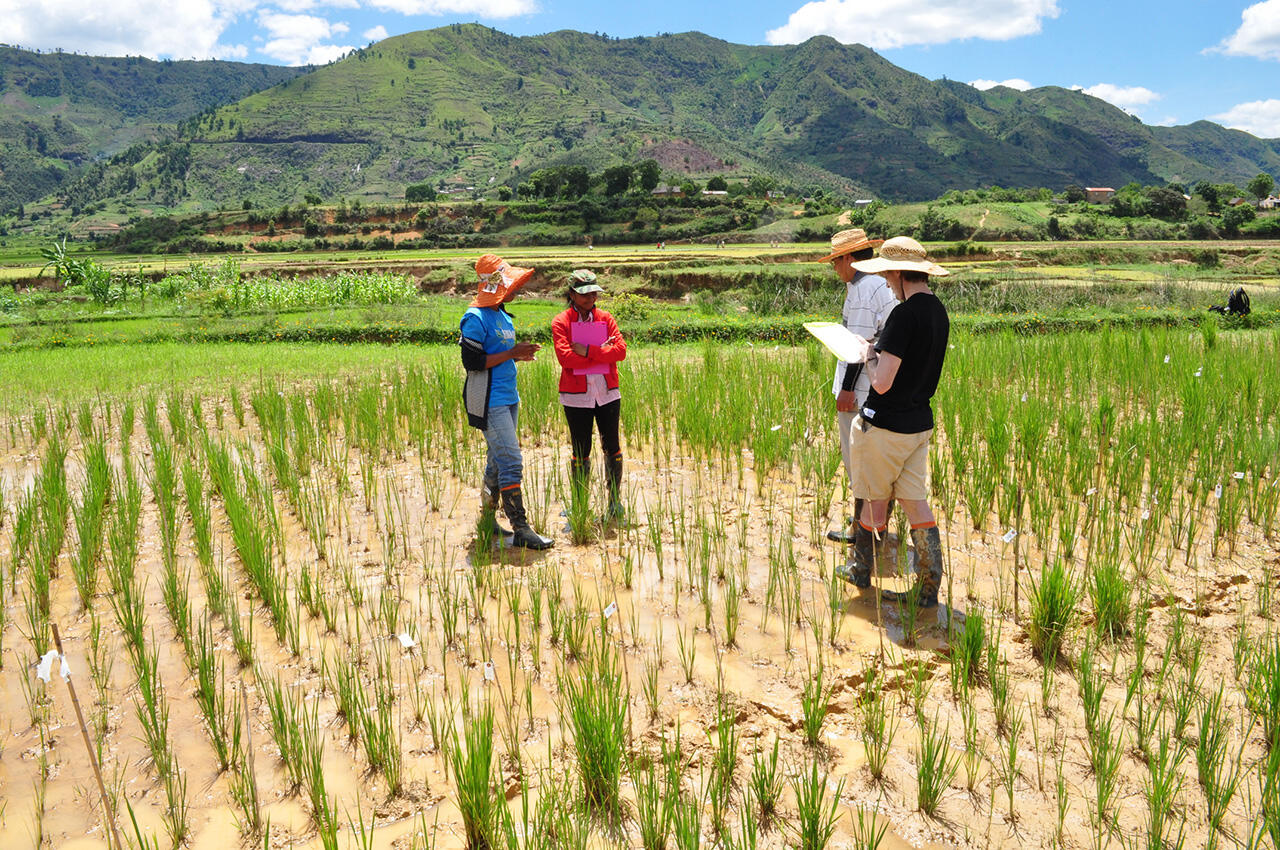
(282, 629)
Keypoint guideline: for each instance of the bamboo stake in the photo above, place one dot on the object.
(88, 745)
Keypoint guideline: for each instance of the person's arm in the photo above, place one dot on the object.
(614, 348)
(882, 370)
(566, 352)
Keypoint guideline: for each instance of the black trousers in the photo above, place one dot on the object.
(606, 418)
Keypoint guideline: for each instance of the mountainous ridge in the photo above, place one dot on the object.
(466, 105)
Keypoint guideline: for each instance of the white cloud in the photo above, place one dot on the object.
(899, 23)
(296, 39)
(1125, 97)
(188, 29)
(1259, 33)
(1260, 117)
(478, 8)
(1015, 83)
(378, 33)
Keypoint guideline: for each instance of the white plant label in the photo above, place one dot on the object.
(1166, 358)
(776, 428)
(1217, 492)
(610, 610)
(406, 640)
(1024, 398)
(1009, 535)
(1198, 372)
(44, 670)
(1239, 476)
(1146, 515)
(490, 675)
(1091, 491)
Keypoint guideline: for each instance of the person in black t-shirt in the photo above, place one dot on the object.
(892, 432)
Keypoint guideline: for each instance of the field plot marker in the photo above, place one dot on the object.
(84, 732)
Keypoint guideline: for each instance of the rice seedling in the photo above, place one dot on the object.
(724, 765)
(1112, 597)
(814, 704)
(764, 785)
(879, 728)
(655, 807)
(1009, 772)
(868, 829)
(1053, 609)
(473, 774)
(686, 822)
(1105, 749)
(688, 650)
(935, 767)
(816, 814)
(596, 706)
(1164, 782)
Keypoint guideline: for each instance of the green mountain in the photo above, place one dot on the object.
(468, 106)
(62, 111)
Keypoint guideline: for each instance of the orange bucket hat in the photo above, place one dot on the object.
(498, 280)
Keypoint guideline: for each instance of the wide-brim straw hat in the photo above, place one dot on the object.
(848, 241)
(498, 280)
(901, 253)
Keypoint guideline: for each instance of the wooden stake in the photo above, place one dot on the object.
(88, 745)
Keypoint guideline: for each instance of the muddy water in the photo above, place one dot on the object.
(760, 677)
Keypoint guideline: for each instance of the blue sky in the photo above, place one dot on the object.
(1170, 62)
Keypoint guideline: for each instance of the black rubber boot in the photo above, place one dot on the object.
(488, 525)
(522, 534)
(613, 478)
(851, 524)
(857, 571)
(928, 569)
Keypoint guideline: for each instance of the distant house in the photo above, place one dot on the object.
(862, 203)
(1235, 202)
(662, 190)
(1098, 194)
(1270, 202)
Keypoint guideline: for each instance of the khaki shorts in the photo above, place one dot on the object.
(890, 464)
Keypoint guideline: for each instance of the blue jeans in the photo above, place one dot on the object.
(505, 463)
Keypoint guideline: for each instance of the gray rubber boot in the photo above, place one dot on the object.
(487, 525)
(928, 569)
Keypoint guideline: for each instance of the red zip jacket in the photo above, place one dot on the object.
(610, 352)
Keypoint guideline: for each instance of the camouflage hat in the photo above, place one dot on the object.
(583, 282)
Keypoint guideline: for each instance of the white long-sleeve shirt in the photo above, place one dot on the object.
(868, 301)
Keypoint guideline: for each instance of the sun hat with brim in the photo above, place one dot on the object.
(901, 253)
(848, 241)
(498, 280)
(583, 282)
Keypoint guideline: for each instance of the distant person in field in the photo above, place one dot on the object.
(867, 303)
(891, 433)
(489, 354)
(589, 347)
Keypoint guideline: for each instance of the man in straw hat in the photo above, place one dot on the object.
(867, 303)
(489, 354)
(891, 433)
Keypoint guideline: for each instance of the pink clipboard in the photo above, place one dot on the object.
(589, 333)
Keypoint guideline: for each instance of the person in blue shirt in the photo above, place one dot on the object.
(489, 354)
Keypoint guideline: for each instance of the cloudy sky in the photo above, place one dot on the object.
(1166, 61)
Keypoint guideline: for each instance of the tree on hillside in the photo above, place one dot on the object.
(1166, 204)
(718, 184)
(577, 180)
(1261, 186)
(617, 179)
(649, 173)
(1235, 216)
(419, 192)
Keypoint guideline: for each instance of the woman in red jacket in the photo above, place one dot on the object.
(589, 345)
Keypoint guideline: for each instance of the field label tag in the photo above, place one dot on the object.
(490, 675)
(406, 640)
(1166, 358)
(610, 610)
(1091, 491)
(1239, 476)
(1217, 492)
(1009, 535)
(1146, 515)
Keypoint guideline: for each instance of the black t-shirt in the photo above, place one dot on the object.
(917, 332)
